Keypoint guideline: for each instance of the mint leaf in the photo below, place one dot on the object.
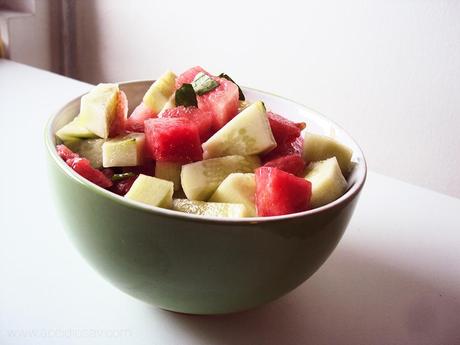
(203, 83)
(124, 176)
(185, 95)
(240, 92)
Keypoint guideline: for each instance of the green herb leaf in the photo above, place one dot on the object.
(241, 94)
(203, 83)
(186, 96)
(124, 176)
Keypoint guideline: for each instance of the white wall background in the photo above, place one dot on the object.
(388, 71)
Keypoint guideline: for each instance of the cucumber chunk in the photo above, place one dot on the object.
(327, 181)
(74, 130)
(215, 209)
(123, 151)
(90, 149)
(318, 147)
(160, 92)
(248, 133)
(200, 179)
(237, 188)
(98, 109)
(152, 191)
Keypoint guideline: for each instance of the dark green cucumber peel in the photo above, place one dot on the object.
(123, 176)
(203, 83)
(240, 92)
(185, 95)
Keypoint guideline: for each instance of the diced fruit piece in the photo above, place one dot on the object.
(278, 192)
(200, 179)
(284, 131)
(222, 102)
(318, 147)
(188, 76)
(126, 150)
(169, 171)
(74, 129)
(122, 187)
(294, 148)
(247, 133)
(83, 167)
(135, 122)
(152, 191)
(212, 209)
(173, 140)
(237, 188)
(65, 153)
(240, 92)
(98, 109)
(327, 181)
(171, 103)
(160, 92)
(90, 149)
(293, 164)
(202, 119)
(119, 123)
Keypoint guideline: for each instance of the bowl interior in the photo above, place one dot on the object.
(294, 111)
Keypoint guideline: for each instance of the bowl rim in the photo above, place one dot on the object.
(344, 199)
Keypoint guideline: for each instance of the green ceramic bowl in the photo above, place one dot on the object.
(194, 264)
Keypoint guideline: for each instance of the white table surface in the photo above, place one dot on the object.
(393, 279)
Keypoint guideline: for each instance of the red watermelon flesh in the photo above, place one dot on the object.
(135, 122)
(65, 153)
(83, 167)
(222, 102)
(173, 140)
(284, 131)
(202, 119)
(278, 192)
(294, 148)
(122, 187)
(188, 76)
(293, 164)
(119, 123)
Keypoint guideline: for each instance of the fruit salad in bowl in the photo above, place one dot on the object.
(196, 195)
(196, 144)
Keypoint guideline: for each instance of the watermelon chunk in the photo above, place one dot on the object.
(119, 123)
(83, 167)
(202, 119)
(294, 148)
(173, 140)
(188, 76)
(65, 153)
(222, 102)
(122, 187)
(279, 192)
(135, 122)
(284, 131)
(293, 164)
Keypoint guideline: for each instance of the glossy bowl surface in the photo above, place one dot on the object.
(194, 264)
